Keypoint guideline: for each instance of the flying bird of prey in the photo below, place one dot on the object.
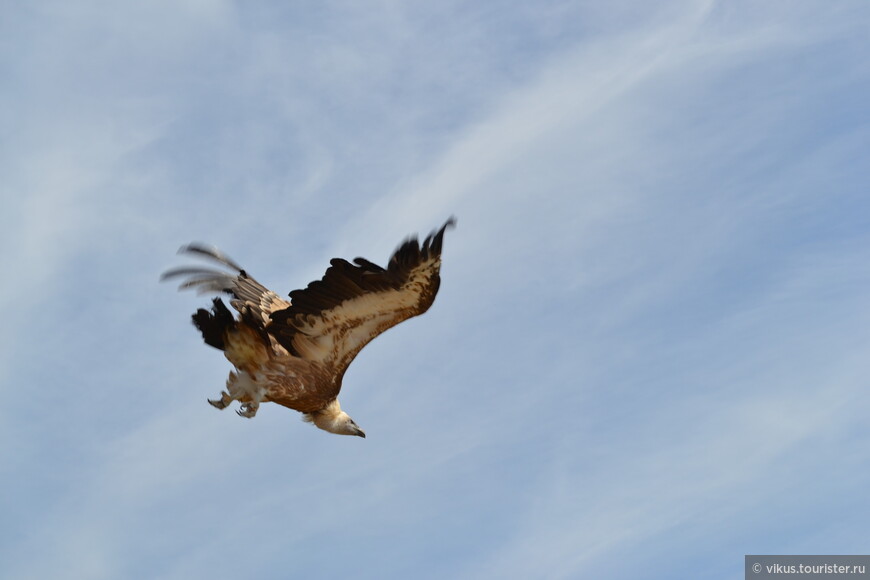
(295, 352)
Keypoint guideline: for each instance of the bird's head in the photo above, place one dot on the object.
(333, 419)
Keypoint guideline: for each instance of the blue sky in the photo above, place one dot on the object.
(649, 354)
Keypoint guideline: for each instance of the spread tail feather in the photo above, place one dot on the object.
(249, 296)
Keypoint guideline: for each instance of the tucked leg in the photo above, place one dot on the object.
(241, 387)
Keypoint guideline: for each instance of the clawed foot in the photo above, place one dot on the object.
(248, 410)
(223, 402)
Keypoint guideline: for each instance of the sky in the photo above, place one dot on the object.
(648, 356)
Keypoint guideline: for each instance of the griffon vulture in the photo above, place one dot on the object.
(295, 352)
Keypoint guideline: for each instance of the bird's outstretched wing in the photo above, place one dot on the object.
(334, 317)
(250, 298)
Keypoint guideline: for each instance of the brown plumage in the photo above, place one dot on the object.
(295, 352)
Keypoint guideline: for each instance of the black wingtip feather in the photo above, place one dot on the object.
(437, 242)
(215, 324)
(367, 266)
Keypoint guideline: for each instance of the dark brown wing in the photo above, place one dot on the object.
(249, 296)
(334, 317)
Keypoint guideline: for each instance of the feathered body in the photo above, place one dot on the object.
(295, 352)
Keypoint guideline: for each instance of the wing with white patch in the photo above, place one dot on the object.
(336, 316)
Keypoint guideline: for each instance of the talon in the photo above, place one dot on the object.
(247, 410)
(222, 402)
